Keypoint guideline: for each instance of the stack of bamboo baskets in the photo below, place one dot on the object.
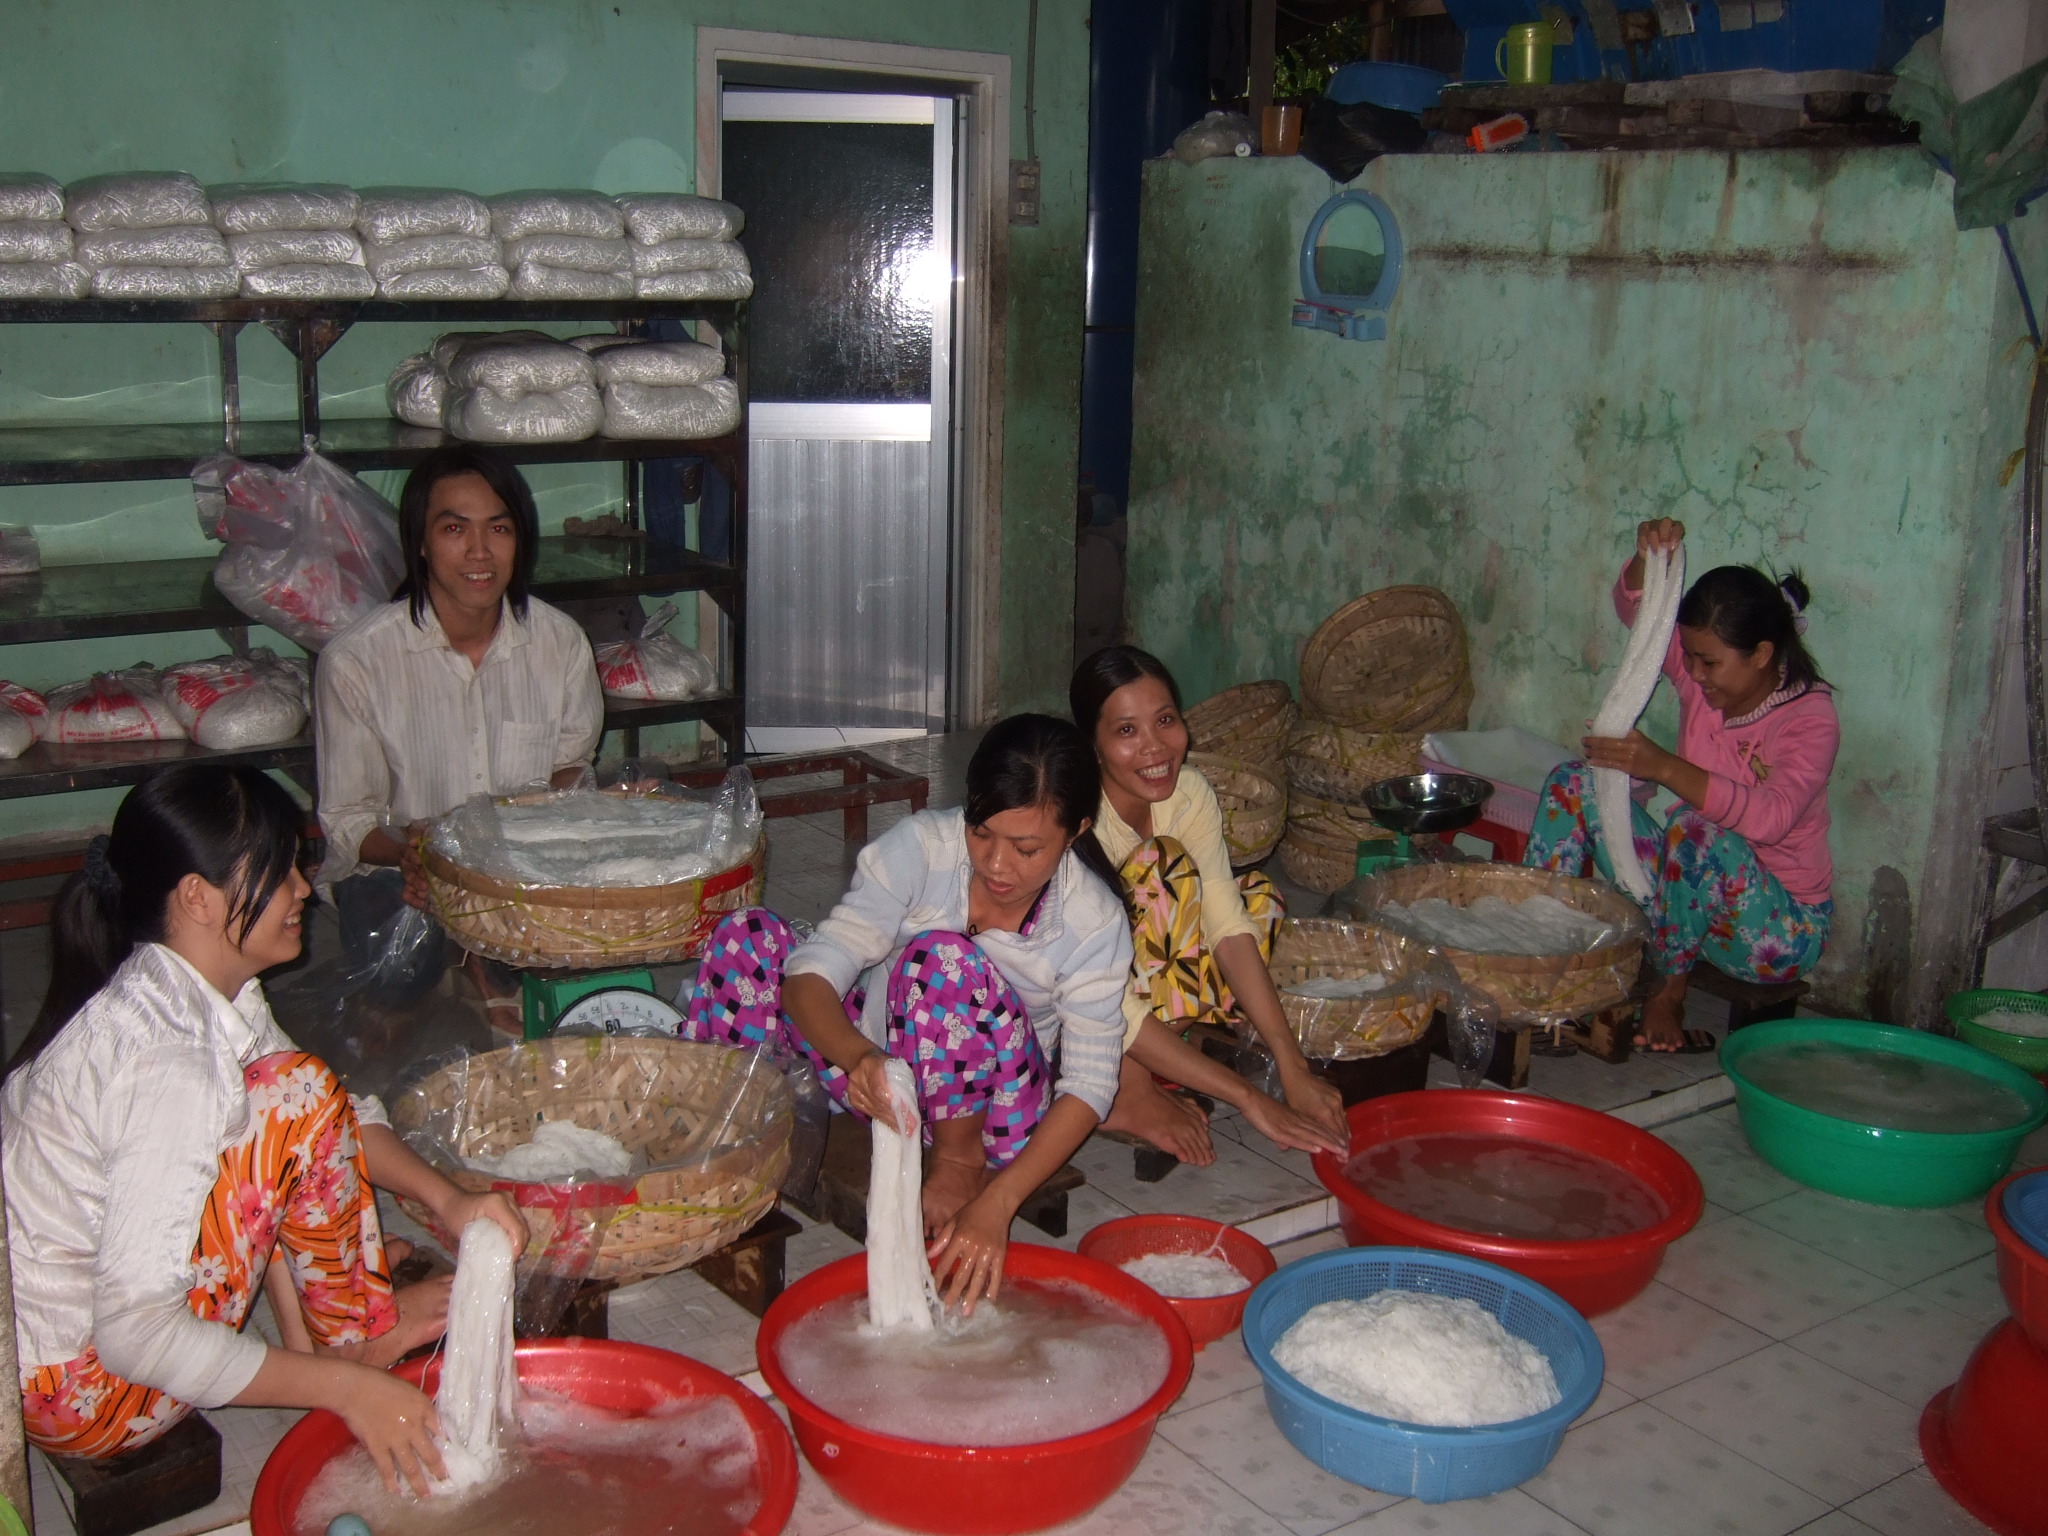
(1378, 674)
(1237, 739)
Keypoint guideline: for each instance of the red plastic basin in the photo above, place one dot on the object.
(961, 1490)
(1596, 1274)
(606, 1373)
(2022, 1272)
(1208, 1318)
(1986, 1439)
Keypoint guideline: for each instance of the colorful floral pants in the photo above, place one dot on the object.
(951, 1014)
(1172, 970)
(295, 1180)
(1713, 897)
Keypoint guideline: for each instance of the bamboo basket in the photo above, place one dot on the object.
(1346, 1029)
(1316, 856)
(1250, 722)
(1253, 799)
(1541, 989)
(565, 927)
(1392, 660)
(714, 1124)
(1336, 762)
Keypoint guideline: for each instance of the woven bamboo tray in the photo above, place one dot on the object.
(1346, 1029)
(660, 1098)
(1529, 988)
(586, 928)
(1250, 721)
(1392, 660)
(1254, 804)
(1337, 762)
(1314, 855)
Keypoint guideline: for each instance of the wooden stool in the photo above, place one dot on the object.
(841, 1195)
(171, 1476)
(749, 1268)
(1749, 1002)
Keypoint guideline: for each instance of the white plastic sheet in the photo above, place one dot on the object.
(657, 216)
(242, 208)
(309, 280)
(559, 416)
(291, 247)
(575, 253)
(689, 256)
(35, 240)
(387, 214)
(44, 280)
(1627, 697)
(449, 343)
(166, 282)
(177, 245)
(30, 195)
(624, 360)
(136, 200)
(710, 286)
(710, 409)
(450, 283)
(531, 280)
(515, 215)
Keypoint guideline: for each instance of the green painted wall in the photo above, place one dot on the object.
(1795, 353)
(487, 95)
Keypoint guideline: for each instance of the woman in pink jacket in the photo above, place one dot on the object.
(1743, 872)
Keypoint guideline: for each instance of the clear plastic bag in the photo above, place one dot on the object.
(1329, 1026)
(166, 282)
(309, 280)
(1216, 136)
(417, 391)
(710, 409)
(231, 703)
(654, 217)
(454, 283)
(1471, 1021)
(44, 280)
(293, 247)
(385, 214)
(245, 208)
(310, 550)
(35, 240)
(450, 343)
(112, 706)
(531, 280)
(20, 554)
(616, 839)
(136, 200)
(666, 364)
(22, 720)
(519, 365)
(430, 253)
(31, 195)
(655, 666)
(689, 256)
(558, 416)
(708, 286)
(515, 215)
(575, 253)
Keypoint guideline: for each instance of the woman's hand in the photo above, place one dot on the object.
(417, 892)
(1634, 754)
(1317, 1102)
(867, 1090)
(1660, 533)
(457, 1209)
(967, 1255)
(1294, 1128)
(396, 1423)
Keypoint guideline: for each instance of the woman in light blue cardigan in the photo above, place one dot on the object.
(988, 948)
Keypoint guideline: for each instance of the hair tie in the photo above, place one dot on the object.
(1798, 623)
(98, 872)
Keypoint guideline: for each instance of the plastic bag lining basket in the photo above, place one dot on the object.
(1392, 660)
(1428, 1463)
(1348, 1028)
(1253, 799)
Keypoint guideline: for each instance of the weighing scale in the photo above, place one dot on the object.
(1420, 802)
(594, 1003)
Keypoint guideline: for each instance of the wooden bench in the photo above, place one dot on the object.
(1749, 1002)
(171, 1476)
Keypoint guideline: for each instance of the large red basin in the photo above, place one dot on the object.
(961, 1490)
(1595, 1275)
(2022, 1271)
(1985, 1438)
(606, 1373)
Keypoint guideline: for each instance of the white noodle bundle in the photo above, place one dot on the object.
(900, 1289)
(478, 1399)
(1627, 697)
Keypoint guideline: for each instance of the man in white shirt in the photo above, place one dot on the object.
(464, 684)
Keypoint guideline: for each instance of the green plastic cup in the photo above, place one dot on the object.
(1868, 1162)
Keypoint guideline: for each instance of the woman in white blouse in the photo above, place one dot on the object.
(163, 1137)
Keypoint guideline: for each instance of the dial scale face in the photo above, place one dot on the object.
(619, 1010)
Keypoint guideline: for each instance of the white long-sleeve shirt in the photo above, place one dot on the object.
(1069, 971)
(407, 729)
(112, 1140)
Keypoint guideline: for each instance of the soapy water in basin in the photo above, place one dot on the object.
(1040, 1363)
(1883, 1088)
(1505, 1186)
(685, 1469)
(2009, 1022)
(1186, 1275)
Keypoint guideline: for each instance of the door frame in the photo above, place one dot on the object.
(983, 81)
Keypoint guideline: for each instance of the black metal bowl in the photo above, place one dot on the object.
(1428, 802)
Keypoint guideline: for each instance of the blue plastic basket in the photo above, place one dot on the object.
(1429, 1463)
(2026, 1209)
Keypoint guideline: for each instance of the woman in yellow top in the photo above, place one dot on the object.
(1201, 934)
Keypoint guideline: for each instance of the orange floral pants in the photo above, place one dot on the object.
(295, 1182)
(1172, 970)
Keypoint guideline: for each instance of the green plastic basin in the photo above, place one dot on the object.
(1867, 1162)
(2027, 1052)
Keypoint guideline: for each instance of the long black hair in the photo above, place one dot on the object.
(1744, 608)
(1032, 760)
(1111, 668)
(235, 828)
(506, 483)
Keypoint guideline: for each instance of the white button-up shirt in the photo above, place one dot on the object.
(112, 1140)
(408, 729)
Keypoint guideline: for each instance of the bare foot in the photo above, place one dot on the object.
(948, 1185)
(1165, 1120)
(1663, 1021)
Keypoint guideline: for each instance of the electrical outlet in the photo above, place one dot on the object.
(1024, 192)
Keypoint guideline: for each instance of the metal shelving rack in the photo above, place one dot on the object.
(165, 596)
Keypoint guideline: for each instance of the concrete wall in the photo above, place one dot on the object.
(488, 95)
(1795, 353)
